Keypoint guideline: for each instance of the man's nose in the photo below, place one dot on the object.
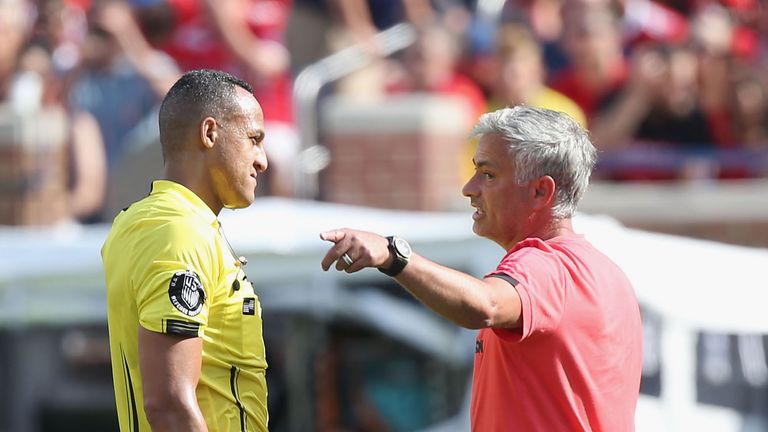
(261, 163)
(470, 188)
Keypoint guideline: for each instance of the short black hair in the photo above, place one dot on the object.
(196, 95)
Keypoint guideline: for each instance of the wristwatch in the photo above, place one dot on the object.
(400, 251)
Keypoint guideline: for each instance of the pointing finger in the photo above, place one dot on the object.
(332, 236)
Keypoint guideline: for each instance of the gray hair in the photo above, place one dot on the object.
(545, 142)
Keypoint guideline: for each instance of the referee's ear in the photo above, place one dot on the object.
(209, 132)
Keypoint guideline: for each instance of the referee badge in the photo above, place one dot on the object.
(249, 306)
(186, 292)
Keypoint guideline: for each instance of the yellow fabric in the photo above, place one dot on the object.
(556, 101)
(545, 98)
(158, 246)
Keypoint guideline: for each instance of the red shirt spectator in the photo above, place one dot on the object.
(570, 83)
(592, 40)
(430, 65)
(198, 42)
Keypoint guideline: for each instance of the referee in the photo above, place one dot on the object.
(184, 321)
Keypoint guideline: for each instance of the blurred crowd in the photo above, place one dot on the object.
(670, 89)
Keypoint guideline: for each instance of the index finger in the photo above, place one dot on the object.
(333, 236)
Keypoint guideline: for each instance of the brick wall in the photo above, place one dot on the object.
(404, 153)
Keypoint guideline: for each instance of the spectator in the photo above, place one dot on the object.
(120, 79)
(711, 35)
(661, 102)
(67, 179)
(744, 120)
(430, 66)
(60, 27)
(750, 110)
(544, 18)
(522, 74)
(593, 43)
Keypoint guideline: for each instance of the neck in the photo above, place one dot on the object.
(544, 230)
(189, 177)
(556, 228)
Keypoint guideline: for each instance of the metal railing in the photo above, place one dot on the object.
(314, 156)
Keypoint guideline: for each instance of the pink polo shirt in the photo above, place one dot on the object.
(575, 363)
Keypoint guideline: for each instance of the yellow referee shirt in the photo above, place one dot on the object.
(169, 269)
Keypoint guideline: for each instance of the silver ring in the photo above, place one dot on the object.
(347, 259)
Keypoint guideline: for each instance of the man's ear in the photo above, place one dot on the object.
(543, 190)
(209, 132)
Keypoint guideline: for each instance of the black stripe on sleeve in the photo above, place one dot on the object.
(135, 423)
(512, 281)
(181, 328)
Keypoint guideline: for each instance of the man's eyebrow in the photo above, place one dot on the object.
(482, 163)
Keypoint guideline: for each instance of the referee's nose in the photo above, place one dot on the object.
(261, 163)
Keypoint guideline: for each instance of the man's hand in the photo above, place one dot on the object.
(649, 73)
(363, 249)
(117, 19)
(270, 59)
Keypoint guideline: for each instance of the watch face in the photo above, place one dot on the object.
(402, 247)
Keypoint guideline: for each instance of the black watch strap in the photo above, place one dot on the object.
(398, 261)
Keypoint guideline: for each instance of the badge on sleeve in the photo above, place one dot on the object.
(186, 292)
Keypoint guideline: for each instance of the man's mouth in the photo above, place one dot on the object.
(479, 212)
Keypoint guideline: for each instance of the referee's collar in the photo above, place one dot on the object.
(188, 197)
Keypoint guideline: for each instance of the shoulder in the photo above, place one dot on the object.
(547, 253)
(161, 228)
(528, 256)
(527, 248)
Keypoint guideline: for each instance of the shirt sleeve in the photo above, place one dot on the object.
(173, 287)
(541, 285)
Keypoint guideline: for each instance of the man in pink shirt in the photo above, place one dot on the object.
(560, 340)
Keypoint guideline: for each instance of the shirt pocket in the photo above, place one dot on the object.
(242, 330)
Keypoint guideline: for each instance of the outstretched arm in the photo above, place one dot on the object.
(461, 298)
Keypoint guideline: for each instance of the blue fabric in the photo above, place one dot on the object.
(119, 98)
